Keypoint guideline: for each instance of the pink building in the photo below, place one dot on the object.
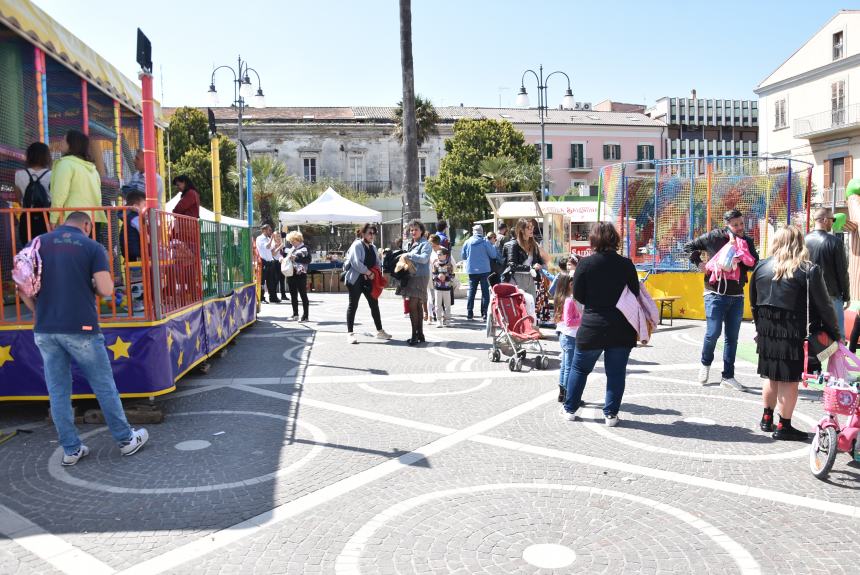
(580, 142)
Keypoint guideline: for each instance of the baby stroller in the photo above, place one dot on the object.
(514, 335)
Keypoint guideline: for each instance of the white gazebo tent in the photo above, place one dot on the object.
(205, 214)
(331, 209)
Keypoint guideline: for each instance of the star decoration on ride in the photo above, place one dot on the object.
(5, 354)
(197, 344)
(187, 329)
(179, 361)
(120, 348)
(169, 341)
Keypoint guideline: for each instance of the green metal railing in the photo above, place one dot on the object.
(225, 256)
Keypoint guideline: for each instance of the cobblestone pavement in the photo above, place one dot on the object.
(298, 453)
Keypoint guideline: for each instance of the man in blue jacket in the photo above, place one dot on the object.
(478, 252)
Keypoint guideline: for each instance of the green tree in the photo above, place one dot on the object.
(458, 191)
(501, 171)
(188, 128)
(426, 119)
(269, 181)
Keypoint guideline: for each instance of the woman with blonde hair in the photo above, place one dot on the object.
(298, 282)
(788, 298)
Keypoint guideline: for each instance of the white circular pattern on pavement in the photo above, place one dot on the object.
(60, 473)
(601, 429)
(483, 384)
(348, 562)
(549, 555)
(192, 445)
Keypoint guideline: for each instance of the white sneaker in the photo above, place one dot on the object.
(568, 415)
(350, 338)
(732, 383)
(704, 372)
(382, 334)
(139, 437)
(82, 451)
(611, 420)
(440, 324)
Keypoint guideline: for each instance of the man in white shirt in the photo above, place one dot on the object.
(270, 266)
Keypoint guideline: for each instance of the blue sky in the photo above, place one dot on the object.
(337, 52)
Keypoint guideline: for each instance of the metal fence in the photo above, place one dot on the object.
(658, 214)
(225, 257)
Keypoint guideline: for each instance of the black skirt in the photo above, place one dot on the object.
(779, 343)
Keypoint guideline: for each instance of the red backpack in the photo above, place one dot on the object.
(27, 269)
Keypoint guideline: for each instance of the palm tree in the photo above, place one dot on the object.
(410, 135)
(426, 119)
(500, 170)
(270, 183)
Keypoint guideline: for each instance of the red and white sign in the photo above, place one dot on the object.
(578, 212)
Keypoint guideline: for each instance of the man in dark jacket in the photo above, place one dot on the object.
(724, 303)
(828, 252)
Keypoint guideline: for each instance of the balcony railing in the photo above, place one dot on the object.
(646, 166)
(580, 165)
(829, 121)
(826, 196)
(371, 187)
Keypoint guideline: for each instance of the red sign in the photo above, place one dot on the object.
(582, 251)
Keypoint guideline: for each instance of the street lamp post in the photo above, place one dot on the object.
(242, 93)
(523, 102)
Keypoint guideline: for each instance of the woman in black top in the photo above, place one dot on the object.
(780, 287)
(298, 282)
(522, 255)
(598, 283)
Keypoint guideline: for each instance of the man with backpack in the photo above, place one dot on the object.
(724, 300)
(74, 269)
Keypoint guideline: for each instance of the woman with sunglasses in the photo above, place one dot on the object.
(361, 259)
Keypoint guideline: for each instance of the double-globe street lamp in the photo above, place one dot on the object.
(523, 102)
(243, 95)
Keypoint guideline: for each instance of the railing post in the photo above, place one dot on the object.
(155, 263)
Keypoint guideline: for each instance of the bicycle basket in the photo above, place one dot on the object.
(840, 400)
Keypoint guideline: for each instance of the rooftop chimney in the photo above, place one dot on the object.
(693, 93)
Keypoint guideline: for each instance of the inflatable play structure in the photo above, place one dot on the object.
(191, 290)
(659, 206)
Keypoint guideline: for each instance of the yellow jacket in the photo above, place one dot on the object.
(75, 183)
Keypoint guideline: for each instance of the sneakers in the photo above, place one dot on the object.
(568, 415)
(350, 338)
(611, 420)
(294, 318)
(382, 334)
(789, 433)
(82, 451)
(139, 437)
(732, 383)
(704, 372)
(440, 324)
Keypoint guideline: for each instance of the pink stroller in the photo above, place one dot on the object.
(512, 329)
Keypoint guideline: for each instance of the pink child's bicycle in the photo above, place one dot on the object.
(831, 437)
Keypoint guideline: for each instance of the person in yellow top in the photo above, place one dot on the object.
(75, 182)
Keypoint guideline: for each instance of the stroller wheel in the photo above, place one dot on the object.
(512, 364)
(541, 362)
(495, 355)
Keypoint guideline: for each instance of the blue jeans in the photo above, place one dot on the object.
(720, 309)
(568, 347)
(474, 280)
(90, 355)
(838, 304)
(615, 366)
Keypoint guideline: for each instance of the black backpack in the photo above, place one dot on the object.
(36, 196)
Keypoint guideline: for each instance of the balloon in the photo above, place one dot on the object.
(853, 187)
(839, 220)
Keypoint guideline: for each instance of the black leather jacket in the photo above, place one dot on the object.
(828, 252)
(790, 294)
(515, 256)
(712, 242)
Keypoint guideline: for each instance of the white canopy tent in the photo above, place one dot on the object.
(206, 214)
(331, 209)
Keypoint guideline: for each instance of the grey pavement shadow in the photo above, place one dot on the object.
(393, 454)
(633, 361)
(715, 433)
(662, 329)
(637, 409)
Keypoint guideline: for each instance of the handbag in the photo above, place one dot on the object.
(287, 267)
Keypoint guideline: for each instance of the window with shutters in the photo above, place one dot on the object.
(611, 151)
(644, 152)
(577, 155)
(310, 169)
(548, 150)
(837, 102)
(422, 168)
(779, 116)
(837, 45)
